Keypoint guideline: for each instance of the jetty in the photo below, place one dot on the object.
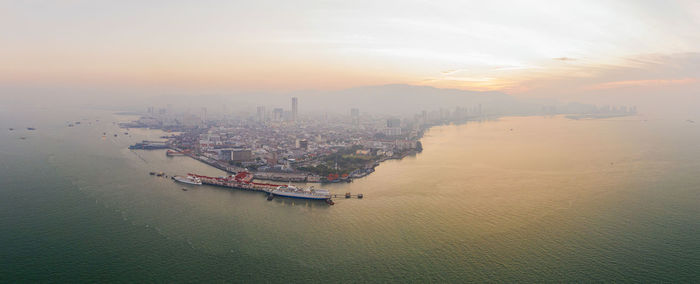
(244, 181)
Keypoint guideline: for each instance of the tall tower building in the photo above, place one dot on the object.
(355, 116)
(261, 113)
(295, 108)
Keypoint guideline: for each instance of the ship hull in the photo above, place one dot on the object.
(187, 181)
(299, 196)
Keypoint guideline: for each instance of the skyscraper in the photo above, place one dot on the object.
(261, 113)
(295, 110)
(355, 116)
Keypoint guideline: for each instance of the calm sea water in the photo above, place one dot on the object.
(521, 199)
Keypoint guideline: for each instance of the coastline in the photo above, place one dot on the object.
(309, 177)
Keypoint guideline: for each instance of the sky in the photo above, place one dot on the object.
(590, 51)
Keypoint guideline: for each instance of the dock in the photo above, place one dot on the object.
(244, 181)
(347, 195)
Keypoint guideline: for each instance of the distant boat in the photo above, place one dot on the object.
(70, 125)
(174, 153)
(146, 145)
(31, 128)
(12, 129)
(23, 138)
(690, 120)
(115, 135)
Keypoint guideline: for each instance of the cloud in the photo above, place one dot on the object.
(643, 83)
(514, 67)
(564, 58)
(582, 76)
(449, 72)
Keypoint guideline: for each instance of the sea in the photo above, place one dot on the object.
(513, 199)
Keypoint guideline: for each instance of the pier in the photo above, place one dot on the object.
(244, 181)
(347, 195)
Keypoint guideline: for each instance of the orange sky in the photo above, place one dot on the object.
(538, 49)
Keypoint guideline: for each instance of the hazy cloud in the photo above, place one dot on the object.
(643, 83)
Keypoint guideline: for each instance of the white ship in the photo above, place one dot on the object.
(305, 193)
(188, 180)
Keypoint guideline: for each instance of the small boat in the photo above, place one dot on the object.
(152, 173)
(115, 135)
(23, 138)
(184, 189)
(31, 128)
(12, 129)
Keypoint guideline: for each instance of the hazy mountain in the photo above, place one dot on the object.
(408, 99)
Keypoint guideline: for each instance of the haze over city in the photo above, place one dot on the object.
(601, 52)
(349, 141)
